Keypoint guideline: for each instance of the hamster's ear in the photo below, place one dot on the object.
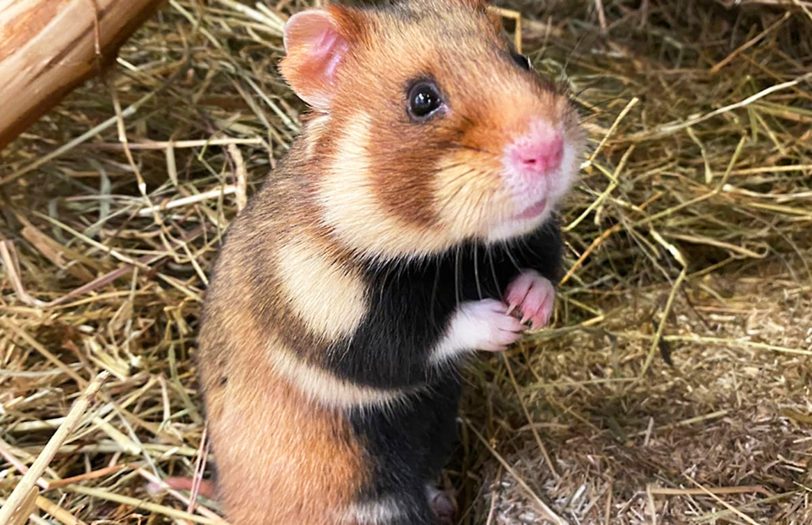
(316, 43)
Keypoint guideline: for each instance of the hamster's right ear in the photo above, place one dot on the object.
(316, 43)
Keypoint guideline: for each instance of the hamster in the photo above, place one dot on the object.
(409, 225)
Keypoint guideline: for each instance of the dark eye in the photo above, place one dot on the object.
(424, 99)
(521, 60)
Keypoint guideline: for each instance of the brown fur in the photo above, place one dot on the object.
(362, 183)
(273, 439)
(277, 444)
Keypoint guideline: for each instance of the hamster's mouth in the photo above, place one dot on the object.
(533, 211)
(520, 223)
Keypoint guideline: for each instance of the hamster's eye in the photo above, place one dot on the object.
(424, 100)
(521, 60)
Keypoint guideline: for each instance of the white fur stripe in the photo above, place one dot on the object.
(328, 390)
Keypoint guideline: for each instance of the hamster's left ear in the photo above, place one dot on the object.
(316, 44)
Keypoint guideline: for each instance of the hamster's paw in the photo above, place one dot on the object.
(478, 325)
(533, 295)
(486, 325)
(443, 504)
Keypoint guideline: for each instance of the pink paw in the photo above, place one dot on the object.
(487, 325)
(533, 296)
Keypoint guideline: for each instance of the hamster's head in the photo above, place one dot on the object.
(429, 130)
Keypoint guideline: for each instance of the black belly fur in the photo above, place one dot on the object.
(410, 305)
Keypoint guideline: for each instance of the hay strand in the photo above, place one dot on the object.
(681, 343)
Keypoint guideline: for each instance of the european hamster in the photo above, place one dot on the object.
(407, 225)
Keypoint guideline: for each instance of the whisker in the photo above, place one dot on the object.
(572, 52)
(510, 256)
(434, 291)
(460, 145)
(457, 275)
(476, 273)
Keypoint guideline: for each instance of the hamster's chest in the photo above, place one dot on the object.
(439, 284)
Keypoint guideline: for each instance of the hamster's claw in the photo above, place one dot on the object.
(532, 295)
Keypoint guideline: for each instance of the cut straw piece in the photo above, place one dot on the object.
(612, 129)
(273, 23)
(684, 423)
(745, 489)
(84, 137)
(529, 418)
(126, 444)
(22, 334)
(671, 128)
(728, 506)
(11, 453)
(58, 513)
(185, 201)
(747, 45)
(94, 474)
(176, 144)
(136, 503)
(515, 16)
(22, 492)
(8, 261)
(24, 507)
(5, 452)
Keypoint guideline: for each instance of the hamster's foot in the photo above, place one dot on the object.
(206, 487)
(532, 295)
(443, 504)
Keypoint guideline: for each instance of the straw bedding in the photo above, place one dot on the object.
(674, 385)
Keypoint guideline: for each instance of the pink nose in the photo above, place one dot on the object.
(537, 154)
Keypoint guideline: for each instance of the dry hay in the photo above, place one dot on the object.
(675, 384)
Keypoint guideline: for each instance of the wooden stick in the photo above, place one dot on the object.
(24, 496)
(48, 47)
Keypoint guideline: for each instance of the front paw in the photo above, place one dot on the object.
(533, 295)
(485, 325)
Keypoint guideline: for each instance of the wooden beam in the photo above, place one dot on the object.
(48, 47)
